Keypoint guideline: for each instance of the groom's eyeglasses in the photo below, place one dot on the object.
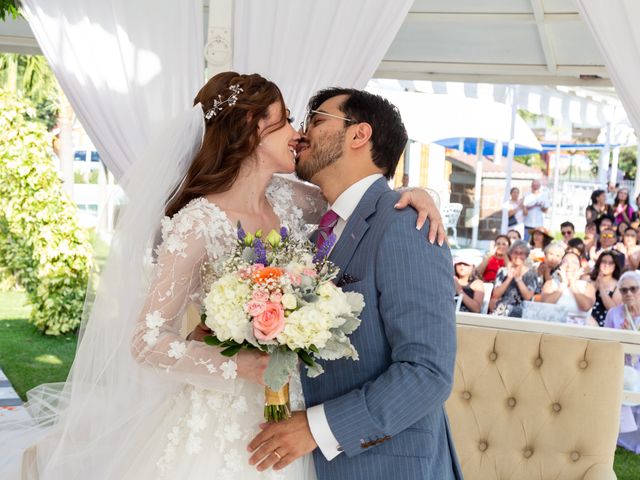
(304, 125)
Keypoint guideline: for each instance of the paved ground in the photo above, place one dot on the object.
(10, 404)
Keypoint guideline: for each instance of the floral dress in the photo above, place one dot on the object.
(510, 305)
(203, 430)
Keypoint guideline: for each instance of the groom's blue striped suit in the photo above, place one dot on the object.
(386, 410)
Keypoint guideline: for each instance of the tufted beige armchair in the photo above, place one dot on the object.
(528, 405)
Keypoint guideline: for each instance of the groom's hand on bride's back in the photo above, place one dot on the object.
(422, 203)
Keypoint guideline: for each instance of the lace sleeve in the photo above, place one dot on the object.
(308, 198)
(156, 341)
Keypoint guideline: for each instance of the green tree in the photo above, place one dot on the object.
(31, 76)
(8, 7)
(626, 161)
(41, 244)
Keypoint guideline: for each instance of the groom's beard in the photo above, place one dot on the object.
(323, 153)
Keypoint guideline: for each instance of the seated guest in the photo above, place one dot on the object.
(604, 222)
(514, 283)
(590, 236)
(621, 228)
(553, 254)
(604, 276)
(540, 237)
(568, 231)
(514, 235)
(598, 206)
(629, 248)
(621, 209)
(568, 290)
(576, 245)
(467, 285)
(497, 259)
(608, 239)
(626, 316)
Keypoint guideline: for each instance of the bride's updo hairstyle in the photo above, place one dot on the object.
(231, 135)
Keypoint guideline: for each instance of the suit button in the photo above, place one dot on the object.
(482, 446)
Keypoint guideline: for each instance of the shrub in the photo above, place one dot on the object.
(41, 243)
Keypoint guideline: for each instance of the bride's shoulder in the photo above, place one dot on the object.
(195, 217)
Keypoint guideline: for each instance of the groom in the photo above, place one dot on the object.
(383, 416)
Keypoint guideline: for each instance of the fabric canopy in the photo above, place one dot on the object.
(433, 118)
(122, 72)
(613, 24)
(306, 45)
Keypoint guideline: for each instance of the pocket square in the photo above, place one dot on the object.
(346, 279)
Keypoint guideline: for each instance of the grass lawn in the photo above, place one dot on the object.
(28, 357)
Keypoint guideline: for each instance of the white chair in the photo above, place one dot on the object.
(450, 213)
(458, 299)
(488, 290)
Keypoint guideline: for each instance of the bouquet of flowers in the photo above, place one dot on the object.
(276, 295)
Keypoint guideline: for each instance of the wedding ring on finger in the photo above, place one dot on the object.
(275, 452)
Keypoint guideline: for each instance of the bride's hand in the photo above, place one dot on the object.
(252, 365)
(422, 203)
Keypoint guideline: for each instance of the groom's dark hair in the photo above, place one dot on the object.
(388, 137)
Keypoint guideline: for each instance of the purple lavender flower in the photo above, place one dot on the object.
(261, 252)
(323, 251)
(284, 233)
(241, 232)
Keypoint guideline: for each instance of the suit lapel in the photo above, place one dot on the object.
(357, 226)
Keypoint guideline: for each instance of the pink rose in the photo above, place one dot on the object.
(310, 272)
(269, 323)
(255, 308)
(260, 295)
(276, 297)
(296, 279)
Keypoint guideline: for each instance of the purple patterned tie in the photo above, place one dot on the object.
(325, 227)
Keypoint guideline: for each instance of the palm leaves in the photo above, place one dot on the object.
(8, 7)
(30, 76)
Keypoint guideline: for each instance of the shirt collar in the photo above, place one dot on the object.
(348, 200)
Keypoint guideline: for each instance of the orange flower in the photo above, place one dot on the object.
(264, 274)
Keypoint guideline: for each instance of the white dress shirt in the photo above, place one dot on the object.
(344, 206)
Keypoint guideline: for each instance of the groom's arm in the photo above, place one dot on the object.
(416, 305)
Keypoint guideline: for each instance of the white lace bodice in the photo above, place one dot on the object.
(200, 232)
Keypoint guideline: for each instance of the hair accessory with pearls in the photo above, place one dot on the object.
(219, 103)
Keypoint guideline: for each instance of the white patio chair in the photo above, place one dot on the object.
(488, 290)
(450, 213)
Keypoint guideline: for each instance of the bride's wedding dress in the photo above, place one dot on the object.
(202, 431)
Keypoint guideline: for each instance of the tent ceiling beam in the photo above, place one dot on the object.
(494, 17)
(547, 48)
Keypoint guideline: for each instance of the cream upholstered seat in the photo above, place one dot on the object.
(529, 405)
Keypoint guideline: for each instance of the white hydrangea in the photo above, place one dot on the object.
(333, 302)
(224, 307)
(306, 326)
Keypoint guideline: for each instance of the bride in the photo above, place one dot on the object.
(141, 402)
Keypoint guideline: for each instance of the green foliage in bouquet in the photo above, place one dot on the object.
(41, 243)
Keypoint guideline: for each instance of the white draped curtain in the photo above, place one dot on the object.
(614, 24)
(306, 45)
(125, 66)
